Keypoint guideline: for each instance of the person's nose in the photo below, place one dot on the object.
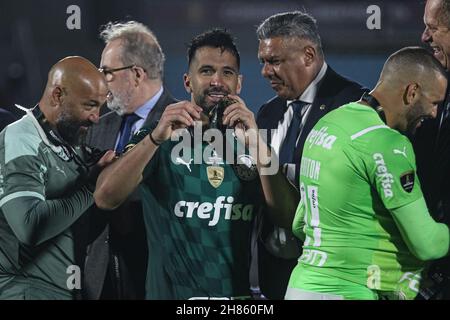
(266, 70)
(217, 80)
(94, 116)
(426, 36)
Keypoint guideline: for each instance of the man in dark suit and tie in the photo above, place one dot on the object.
(292, 60)
(6, 118)
(432, 147)
(132, 62)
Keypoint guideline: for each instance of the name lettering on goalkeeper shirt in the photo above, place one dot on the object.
(310, 168)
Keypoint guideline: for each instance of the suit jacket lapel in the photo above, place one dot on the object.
(158, 109)
(104, 134)
(276, 114)
(113, 125)
(321, 106)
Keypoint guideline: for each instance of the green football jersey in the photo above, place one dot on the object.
(198, 219)
(355, 169)
(33, 170)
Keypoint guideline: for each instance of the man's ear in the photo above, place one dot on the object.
(310, 55)
(139, 75)
(187, 83)
(57, 96)
(411, 93)
(239, 84)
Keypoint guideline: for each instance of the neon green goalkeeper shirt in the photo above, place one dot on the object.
(354, 170)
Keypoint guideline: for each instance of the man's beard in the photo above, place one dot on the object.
(416, 115)
(70, 129)
(212, 115)
(119, 103)
(200, 100)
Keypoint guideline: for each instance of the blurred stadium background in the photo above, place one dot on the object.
(33, 36)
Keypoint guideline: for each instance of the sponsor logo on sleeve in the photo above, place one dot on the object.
(407, 181)
(384, 177)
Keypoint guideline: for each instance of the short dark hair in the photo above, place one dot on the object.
(140, 46)
(215, 38)
(413, 58)
(294, 24)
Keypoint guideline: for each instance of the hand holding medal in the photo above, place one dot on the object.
(239, 117)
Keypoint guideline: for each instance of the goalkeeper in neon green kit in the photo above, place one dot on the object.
(362, 215)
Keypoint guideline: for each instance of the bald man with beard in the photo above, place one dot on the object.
(46, 185)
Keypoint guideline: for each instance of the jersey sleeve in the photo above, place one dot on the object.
(392, 170)
(22, 175)
(35, 221)
(138, 137)
(31, 215)
(425, 238)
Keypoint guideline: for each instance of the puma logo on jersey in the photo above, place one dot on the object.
(321, 138)
(187, 164)
(213, 211)
(61, 170)
(386, 179)
(396, 151)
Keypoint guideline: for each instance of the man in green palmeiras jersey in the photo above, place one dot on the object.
(198, 210)
(44, 185)
(365, 224)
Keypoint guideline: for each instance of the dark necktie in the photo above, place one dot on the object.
(287, 149)
(125, 130)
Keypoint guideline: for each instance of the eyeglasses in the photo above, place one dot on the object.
(109, 73)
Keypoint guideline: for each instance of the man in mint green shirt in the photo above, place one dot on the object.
(363, 218)
(44, 185)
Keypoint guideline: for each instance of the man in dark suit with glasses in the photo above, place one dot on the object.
(132, 62)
